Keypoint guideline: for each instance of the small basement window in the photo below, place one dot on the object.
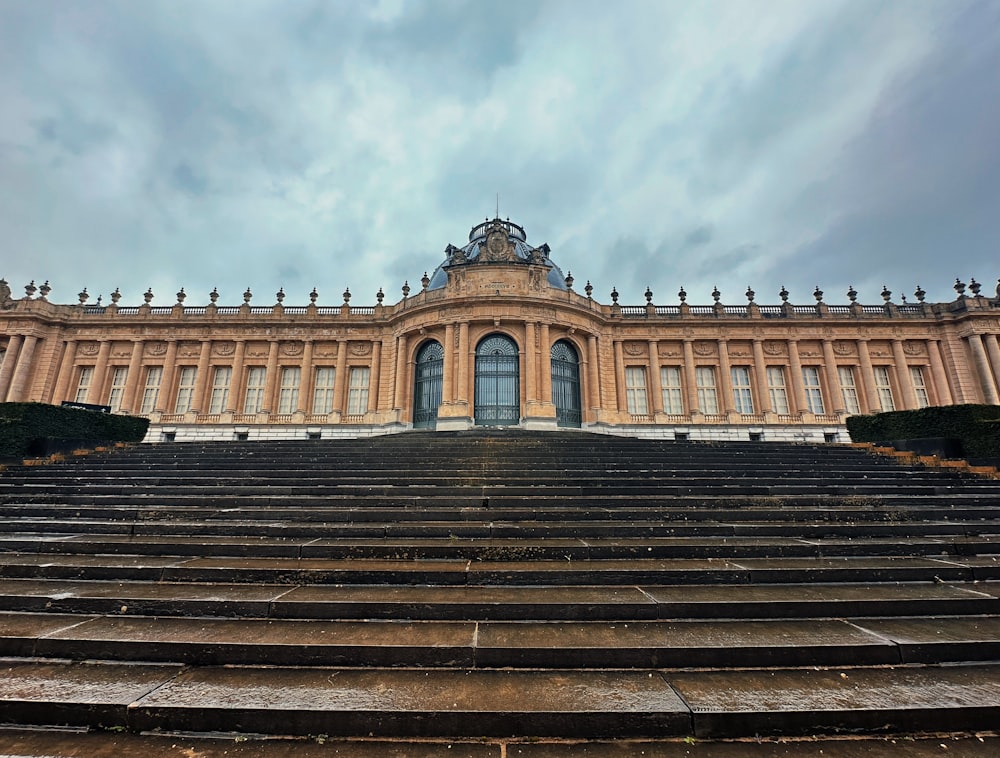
(681, 436)
(314, 435)
(242, 436)
(170, 436)
(829, 436)
(756, 436)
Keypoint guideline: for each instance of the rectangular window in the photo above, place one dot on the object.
(848, 390)
(670, 384)
(814, 391)
(118, 377)
(221, 380)
(357, 391)
(776, 390)
(635, 390)
(151, 391)
(83, 384)
(323, 393)
(883, 387)
(254, 400)
(185, 388)
(288, 396)
(708, 399)
(919, 386)
(742, 396)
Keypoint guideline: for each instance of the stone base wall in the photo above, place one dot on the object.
(699, 433)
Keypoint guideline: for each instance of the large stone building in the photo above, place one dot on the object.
(498, 335)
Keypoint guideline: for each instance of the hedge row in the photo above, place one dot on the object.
(22, 424)
(977, 426)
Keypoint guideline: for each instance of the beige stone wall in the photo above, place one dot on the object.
(50, 349)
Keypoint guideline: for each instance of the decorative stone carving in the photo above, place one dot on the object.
(291, 348)
(89, 348)
(361, 348)
(189, 350)
(156, 348)
(634, 348)
(841, 347)
(914, 347)
(775, 347)
(224, 348)
(703, 347)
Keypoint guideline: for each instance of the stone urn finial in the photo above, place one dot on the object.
(425, 281)
(406, 288)
(852, 294)
(83, 295)
(919, 294)
(30, 289)
(148, 295)
(347, 295)
(959, 287)
(716, 295)
(886, 294)
(214, 295)
(569, 280)
(974, 286)
(783, 294)
(180, 296)
(280, 295)
(682, 294)
(614, 295)
(247, 296)
(45, 289)
(313, 296)
(818, 294)
(380, 296)
(750, 294)
(649, 295)
(588, 288)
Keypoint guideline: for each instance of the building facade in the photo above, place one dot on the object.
(499, 336)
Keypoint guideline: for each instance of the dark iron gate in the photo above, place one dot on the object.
(427, 386)
(498, 401)
(566, 384)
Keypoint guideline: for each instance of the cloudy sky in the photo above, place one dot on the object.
(202, 143)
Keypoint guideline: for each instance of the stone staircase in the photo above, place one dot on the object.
(497, 593)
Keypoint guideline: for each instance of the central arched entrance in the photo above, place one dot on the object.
(427, 386)
(566, 384)
(497, 388)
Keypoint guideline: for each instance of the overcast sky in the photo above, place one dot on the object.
(203, 143)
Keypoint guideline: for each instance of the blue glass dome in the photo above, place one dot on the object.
(524, 253)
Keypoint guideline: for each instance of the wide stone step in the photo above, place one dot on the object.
(504, 603)
(477, 702)
(470, 644)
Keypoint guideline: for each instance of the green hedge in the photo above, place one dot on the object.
(977, 426)
(22, 423)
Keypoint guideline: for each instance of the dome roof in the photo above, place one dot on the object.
(518, 252)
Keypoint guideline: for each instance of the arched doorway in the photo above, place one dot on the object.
(427, 385)
(566, 384)
(498, 399)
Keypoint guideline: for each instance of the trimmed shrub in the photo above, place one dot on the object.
(976, 426)
(23, 424)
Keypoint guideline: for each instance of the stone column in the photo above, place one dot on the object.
(376, 373)
(725, 378)
(399, 399)
(760, 376)
(448, 380)
(463, 377)
(903, 376)
(982, 364)
(270, 404)
(201, 388)
(96, 393)
(164, 401)
(593, 370)
(655, 390)
(620, 378)
(833, 378)
(236, 381)
(306, 377)
(868, 379)
(9, 361)
(993, 350)
(65, 373)
(531, 379)
(942, 389)
(545, 365)
(798, 389)
(134, 378)
(340, 379)
(18, 386)
(690, 382)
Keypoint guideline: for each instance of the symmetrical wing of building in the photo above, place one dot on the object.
(499, 336)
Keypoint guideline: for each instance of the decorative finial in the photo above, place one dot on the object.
(886, 294)
(116, 296)
(45, 289)
(99, 299)
(148, 295)
(974, 286)
(313, 296)
(213, 295)
(181, 295)
(783, 294)
(280, 295)
(30, 288)
(614, 295)
(406, 287)
(425, 281)
(247, 296)
(569, 280)
(716, 294)
(588, 288)
(380, 296)
(347, 295)
(852, 294)
(959, 287)
(83, 296)
(818, 294)
(682, 294)
(919, 294)
(649, 295)
(750, 294)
